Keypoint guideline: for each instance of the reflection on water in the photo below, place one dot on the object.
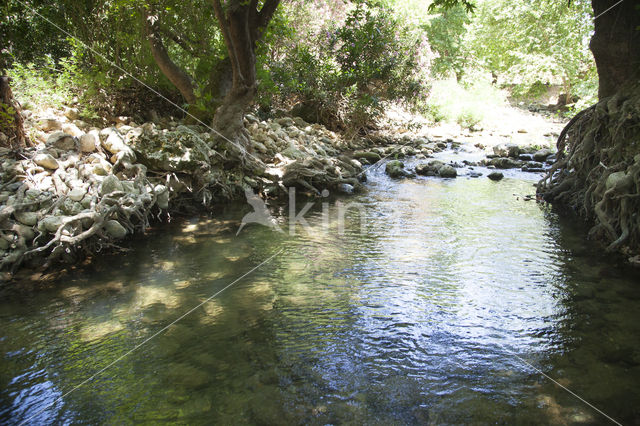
(411, 315)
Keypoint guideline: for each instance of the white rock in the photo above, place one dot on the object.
(88, 142)
(46, 161)
(133, 133)
(114, 143)
(72, 129)
(76, 194)
(162, 196)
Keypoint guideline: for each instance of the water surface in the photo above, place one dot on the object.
(425, 308)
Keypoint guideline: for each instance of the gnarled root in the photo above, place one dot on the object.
(597, 173)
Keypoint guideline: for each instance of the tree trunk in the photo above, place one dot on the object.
(615, 44)
(173, 72)
(242, 25)
(11, 126)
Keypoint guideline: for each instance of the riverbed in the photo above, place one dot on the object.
(418, 301)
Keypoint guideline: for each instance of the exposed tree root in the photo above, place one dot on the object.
(597, 172)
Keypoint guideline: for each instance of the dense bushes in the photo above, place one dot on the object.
(342, 74)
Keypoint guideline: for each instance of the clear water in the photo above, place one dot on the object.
(424, 310)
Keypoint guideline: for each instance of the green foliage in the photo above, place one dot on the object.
(46, 85)
(446, 37)
(346, 72)
(525, 45)
(469, 6)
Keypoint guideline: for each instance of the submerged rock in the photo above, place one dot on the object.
(496, 176)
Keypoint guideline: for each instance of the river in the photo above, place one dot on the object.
(433, 302)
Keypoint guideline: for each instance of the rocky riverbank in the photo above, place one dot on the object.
(82, 189)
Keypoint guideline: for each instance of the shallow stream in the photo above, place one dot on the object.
(434, 301)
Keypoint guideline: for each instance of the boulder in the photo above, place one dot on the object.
(496, 176)
(72, 130)
(110, 184)
(115, 230)
(507, 150)
(429, 169)
(525, 157)
(50, 223)
(88, 142)
(76, 194)
(26, 232)
(46, 161)
(370, 156)
(542, 155)
(114, 143)
(71, 113)
(62, 141)
(447, 171)
(26, 218)
(505, 163)
(395, 169)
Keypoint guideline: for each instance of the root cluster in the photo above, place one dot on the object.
(597, 173)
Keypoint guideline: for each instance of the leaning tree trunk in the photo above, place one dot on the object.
(176, 75)
(597, 173)
(242, 25)
(11, 127)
